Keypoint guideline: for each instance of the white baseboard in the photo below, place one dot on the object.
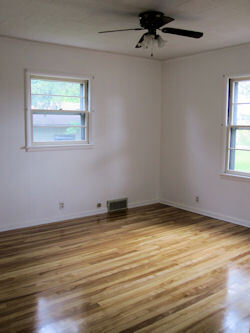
(142, 203)
(86, 213)
(66, 217)
(218, 216)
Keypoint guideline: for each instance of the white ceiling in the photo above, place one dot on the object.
(77, 22)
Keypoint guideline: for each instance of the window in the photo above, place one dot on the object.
(238, 127)
(57, 111)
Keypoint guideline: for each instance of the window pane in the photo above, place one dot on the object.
(57, 103)
(58, 119)
(240, 138)
(241, 114)
(242, 91)
(54, 134)
(239, 160)
(54, 87)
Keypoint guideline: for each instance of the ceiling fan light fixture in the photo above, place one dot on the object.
(160, 41)
(148, 41)
(151, 41)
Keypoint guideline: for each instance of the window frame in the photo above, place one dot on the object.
(30, 145)
(230, 80)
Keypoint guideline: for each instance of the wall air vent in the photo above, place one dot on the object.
(117, 205)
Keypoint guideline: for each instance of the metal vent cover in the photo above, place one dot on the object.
(117, 204)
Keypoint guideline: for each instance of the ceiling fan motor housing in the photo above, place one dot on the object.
(153, 20)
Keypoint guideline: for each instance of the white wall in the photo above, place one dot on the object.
(191, 149)
(125, 160)
(126, 131)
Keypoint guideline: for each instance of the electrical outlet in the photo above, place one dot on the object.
(197, 199)
(99, 205)
(61, 205)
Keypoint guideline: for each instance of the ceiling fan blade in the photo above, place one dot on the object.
(140, 40)
(181, 32)
(166, 20)
(135, 29)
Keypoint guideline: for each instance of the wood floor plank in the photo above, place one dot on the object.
(150, 269)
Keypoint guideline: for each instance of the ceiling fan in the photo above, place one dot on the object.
(153, 21)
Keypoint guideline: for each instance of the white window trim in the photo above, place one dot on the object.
(225, 172)
(62, 145)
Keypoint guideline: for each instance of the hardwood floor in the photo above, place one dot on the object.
(152, 269)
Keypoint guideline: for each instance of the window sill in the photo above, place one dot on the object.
(59, 147)
(235, 177)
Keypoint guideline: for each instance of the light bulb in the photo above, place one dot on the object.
(147, 41)
(160, 41)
